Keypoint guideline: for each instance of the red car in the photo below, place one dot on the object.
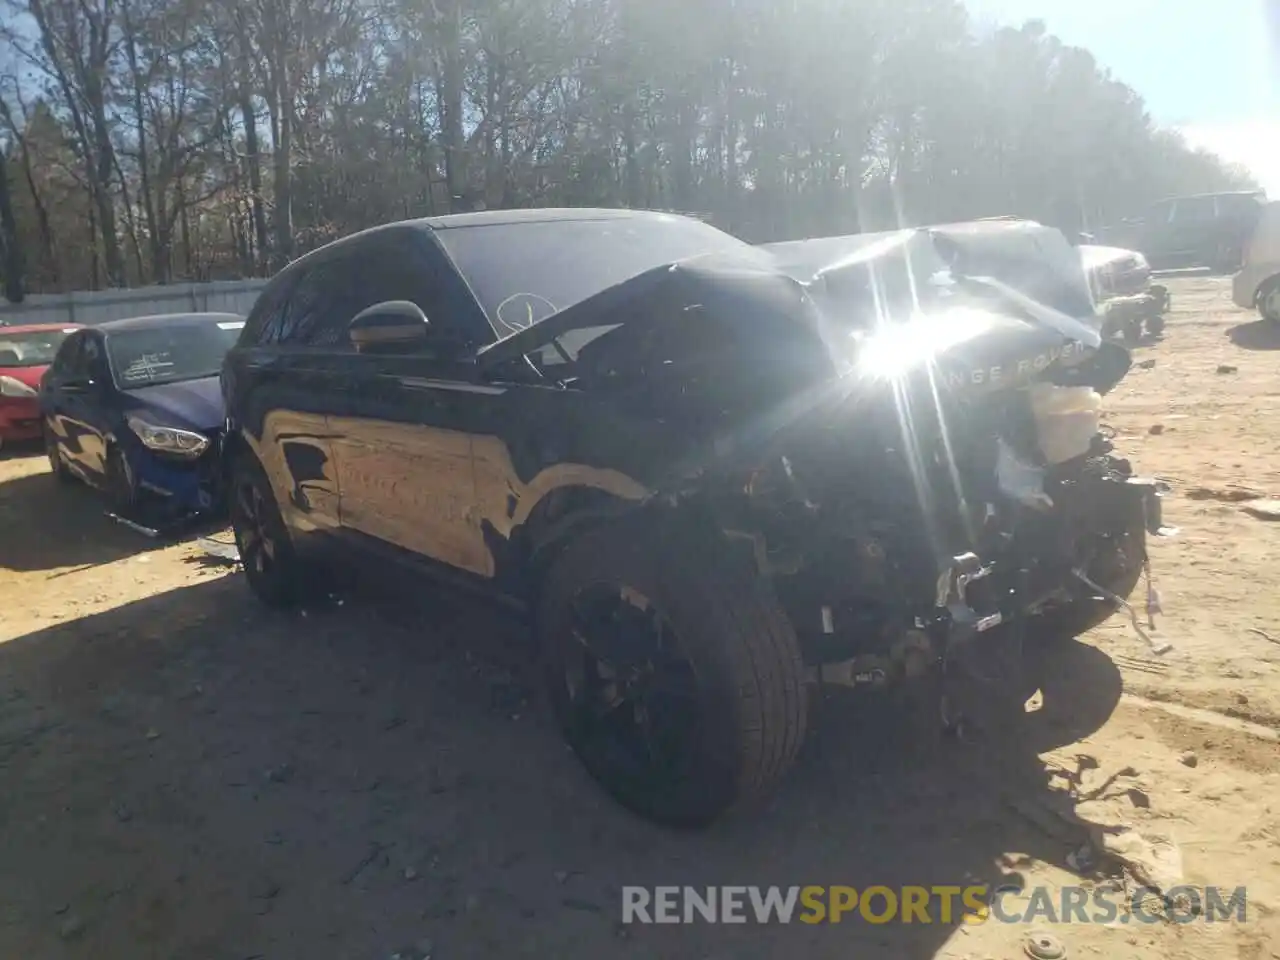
(25, 354)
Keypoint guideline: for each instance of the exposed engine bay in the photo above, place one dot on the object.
(979, 492)
(902, 429)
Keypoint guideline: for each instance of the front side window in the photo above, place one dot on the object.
(36, 349)
(266, 315)
(149, 356)
(371, 271)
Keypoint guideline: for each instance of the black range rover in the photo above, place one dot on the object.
(712, 477)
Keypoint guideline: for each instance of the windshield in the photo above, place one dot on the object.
(35, 349)
(524, 272)
(188, 351)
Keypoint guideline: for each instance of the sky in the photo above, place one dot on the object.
(1210, 68)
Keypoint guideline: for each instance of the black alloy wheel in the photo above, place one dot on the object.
(121, 483)
(674, 673)
(633, 694)
(266, 551)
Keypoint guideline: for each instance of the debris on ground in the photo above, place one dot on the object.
(1227, 368)
(1082, 860)
(1146, 364)
(1189, 759)
(1039, 945)
(1153, 859)
(1263, 509)
(223, 550)
(1156, 429)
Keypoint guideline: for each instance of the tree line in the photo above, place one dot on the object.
(146, 141)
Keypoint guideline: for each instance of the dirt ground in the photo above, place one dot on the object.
(186, 775)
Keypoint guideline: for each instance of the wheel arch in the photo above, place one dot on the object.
(1265, 286)
(568, 512)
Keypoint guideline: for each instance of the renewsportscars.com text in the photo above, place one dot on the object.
(934, 904)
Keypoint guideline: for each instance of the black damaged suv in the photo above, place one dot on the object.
(712, 476)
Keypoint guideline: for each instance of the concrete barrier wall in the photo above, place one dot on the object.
(99, 306)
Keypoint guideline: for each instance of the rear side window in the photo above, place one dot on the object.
(68, 354)
(263, 324)
(1194, 210)
(1239, 205)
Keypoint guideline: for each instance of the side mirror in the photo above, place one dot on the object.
(389, 322)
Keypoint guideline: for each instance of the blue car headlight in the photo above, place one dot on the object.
(172, 440)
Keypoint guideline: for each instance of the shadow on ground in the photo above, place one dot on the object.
(189, 775)
(45, 525)
(21, 450)
(1256, 335)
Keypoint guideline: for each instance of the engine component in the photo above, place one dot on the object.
(1066, 420)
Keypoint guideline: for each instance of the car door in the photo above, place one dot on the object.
(1193, 235)
(77, 412)
(1155, 236)
(400, 422)
(287, 390)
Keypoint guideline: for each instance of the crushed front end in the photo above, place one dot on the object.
(895, 550)
(959, 486)
(175, 491)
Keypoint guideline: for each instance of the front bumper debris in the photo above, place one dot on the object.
(1152, 492)
(964, 621)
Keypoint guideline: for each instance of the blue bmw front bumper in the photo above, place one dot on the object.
(179, 487)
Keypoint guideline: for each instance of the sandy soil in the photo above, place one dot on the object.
(187, 776)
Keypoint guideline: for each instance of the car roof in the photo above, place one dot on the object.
(39, 327)
(489, 218)
(485, 218)
(1218, 193)
(160, 320)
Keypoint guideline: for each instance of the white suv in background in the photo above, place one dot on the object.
(1258, 282)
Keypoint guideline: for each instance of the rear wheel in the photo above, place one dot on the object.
(121, 482)
(1269, 302)
(266, 549)
(676, 678)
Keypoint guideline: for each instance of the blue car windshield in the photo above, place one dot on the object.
(149, 356)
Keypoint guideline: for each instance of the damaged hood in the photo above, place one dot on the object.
(187, 403)
(1023, 270)
(1031, 267)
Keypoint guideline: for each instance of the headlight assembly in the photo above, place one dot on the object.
(182, 443)
(11, 387)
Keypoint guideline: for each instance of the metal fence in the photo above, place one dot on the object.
(99, 306)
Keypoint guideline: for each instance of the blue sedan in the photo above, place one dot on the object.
(133, 408)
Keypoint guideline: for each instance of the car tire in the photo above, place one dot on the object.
(266, 550)
(702, 665)
(1120, 576)
(121, 483)
(1269, 302)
